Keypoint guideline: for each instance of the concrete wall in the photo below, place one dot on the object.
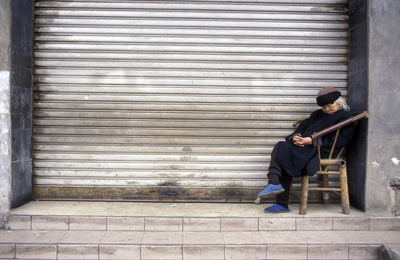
(21, 101)
(358, 99)
(15, 103)
(383, 152)
(5, 117)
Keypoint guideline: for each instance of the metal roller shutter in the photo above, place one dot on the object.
(176, 100)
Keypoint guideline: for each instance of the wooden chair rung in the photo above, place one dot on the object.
(323, 189)
(328, 172)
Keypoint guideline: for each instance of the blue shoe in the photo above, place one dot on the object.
(271, 189)
(276, 208)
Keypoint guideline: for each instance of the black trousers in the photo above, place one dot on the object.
(278, 175)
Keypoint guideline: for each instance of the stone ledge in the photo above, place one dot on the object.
(237, 248)
(389, 252)
(201, 224)
(188, 252)
(190, 237)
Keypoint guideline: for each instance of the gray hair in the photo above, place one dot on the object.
(342, 104)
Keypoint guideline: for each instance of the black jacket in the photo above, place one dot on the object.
(297, 161)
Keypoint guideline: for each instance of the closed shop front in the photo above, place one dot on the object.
(175, 100)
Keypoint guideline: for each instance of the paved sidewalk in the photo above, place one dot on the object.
(190, 231)
(177, 209)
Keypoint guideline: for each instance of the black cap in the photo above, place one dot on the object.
(327, 95)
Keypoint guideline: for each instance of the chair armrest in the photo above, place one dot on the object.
(341, 124)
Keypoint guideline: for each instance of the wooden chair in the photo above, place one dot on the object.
(324, 170)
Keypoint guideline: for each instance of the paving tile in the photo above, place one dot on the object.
(122, 237)
(322, 237)
(87, 223)
(78, 252)
(161, 252)
(36, 252)
(12, 236)
(120, 252)
(287, 252)
(163, 224)
(86, 237)
(243, 238)
(385, 223)
(282, 237)
(18, 222)
(239, 224)
(125, 223)
(360, 237)
(50, 222)
(162, 238)
(248, 252)
(201, 252)
(203, 238)
(363, 252)
(352, 224)
(278, 224)
(7, 251)
(314, 224)
(41, 236)
(201, 224)
(331, 252)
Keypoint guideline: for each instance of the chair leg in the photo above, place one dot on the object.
(344, 190)
(325, 194)
(303, 195)
(290, 192)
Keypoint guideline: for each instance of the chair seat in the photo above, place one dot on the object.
(329, 162)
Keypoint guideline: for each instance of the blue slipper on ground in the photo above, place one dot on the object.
(271, 189)
(276, 208)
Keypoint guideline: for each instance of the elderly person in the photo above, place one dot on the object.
(297, 155)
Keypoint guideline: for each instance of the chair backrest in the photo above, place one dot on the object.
(336, 127)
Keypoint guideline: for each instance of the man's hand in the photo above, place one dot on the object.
(300, 141)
